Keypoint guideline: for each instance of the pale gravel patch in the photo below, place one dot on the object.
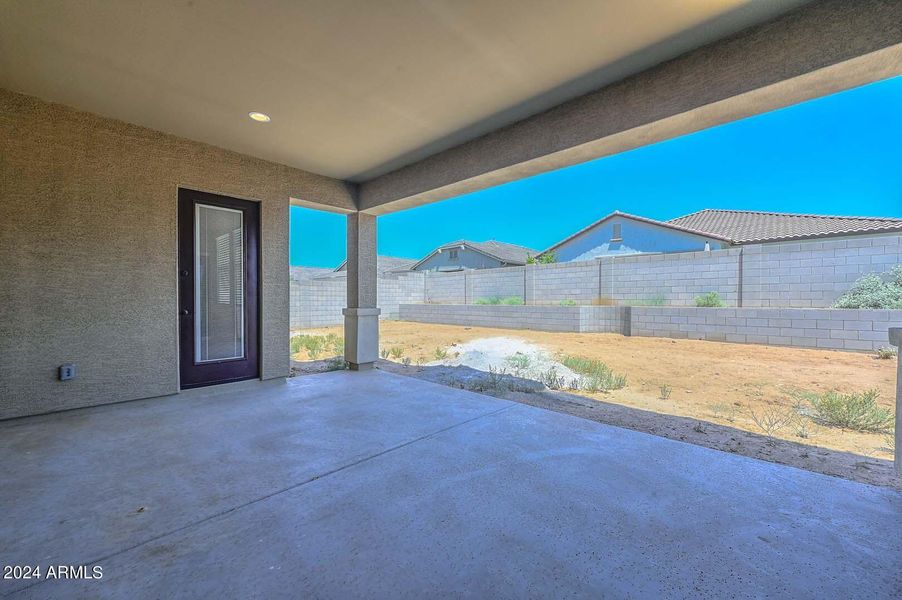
(494, 353)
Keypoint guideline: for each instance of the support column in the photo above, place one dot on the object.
(361, 315)
(895, 338)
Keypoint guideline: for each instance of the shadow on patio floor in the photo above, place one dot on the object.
(856, 467)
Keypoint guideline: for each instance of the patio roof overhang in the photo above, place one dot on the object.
(430, 100)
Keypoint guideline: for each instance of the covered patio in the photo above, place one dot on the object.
(125, 131)
(362, 485)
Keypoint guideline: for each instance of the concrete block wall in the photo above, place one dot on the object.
(318, 302)
(813, 273)
(542, 318)
(809, 274)
(608, 319)
(837, 329)
(395, 290)
(449, 288)
(549, 284)
(834, 329)
(605, 319)
(503, 283)
(677, 277)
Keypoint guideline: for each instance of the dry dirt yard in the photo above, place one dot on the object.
(714, 389)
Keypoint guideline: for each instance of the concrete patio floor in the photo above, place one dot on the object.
(368, 484)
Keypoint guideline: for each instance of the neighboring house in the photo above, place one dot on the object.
(306, 273)
(464, 254)
(385, 264)
(709, 229)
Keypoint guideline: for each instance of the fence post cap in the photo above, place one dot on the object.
(895, 336)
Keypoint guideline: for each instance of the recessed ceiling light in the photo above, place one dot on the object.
(259, 117)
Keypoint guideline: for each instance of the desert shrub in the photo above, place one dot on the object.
(858, 412)
(724, 410)
(335, 344)
(495, 300)
(568, 302)
(542, 259)
(772, 419)
(874, 291)
(493, 382)
(396, 352)
(552, 380)
(336, 363)
(709, 300)
(519, 363)
(666, 390)
(440, 354)
(596, 374)
(384, 353)
(886, 353)
(803, 427)
(313, 344)
(405, 361)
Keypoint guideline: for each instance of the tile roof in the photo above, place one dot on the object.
(511, 254)
(745, 226)
(617, 213)
(386, 264)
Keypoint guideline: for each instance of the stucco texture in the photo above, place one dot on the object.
(88, 244)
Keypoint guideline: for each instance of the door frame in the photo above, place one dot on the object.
(193, 374)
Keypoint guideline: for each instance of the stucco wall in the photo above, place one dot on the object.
(635, 237)
(466, 258)
(88, 240)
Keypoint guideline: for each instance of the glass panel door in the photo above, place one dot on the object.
(219, 327)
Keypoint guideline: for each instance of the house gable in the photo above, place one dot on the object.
(452, 259)
(636, 235)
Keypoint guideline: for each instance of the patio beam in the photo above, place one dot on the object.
(824, 47)
(361, 315)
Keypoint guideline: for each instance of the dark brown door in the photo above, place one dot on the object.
(219, 254)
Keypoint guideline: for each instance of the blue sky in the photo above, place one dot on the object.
(839, 154)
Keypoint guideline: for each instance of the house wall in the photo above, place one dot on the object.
(88, 240)
(466, 258)
(635, 237)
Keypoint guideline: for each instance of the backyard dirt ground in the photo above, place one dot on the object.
(714, 390)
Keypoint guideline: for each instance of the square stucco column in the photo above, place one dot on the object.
(361, 315)
(895, 338)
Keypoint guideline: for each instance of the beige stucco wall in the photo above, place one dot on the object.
(88, 252)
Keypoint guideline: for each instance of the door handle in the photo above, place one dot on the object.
(185, 312)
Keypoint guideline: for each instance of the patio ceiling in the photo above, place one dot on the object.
(418, 101)
(355, 89)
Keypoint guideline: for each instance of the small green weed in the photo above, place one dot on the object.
(597, 375)
(709, 300)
